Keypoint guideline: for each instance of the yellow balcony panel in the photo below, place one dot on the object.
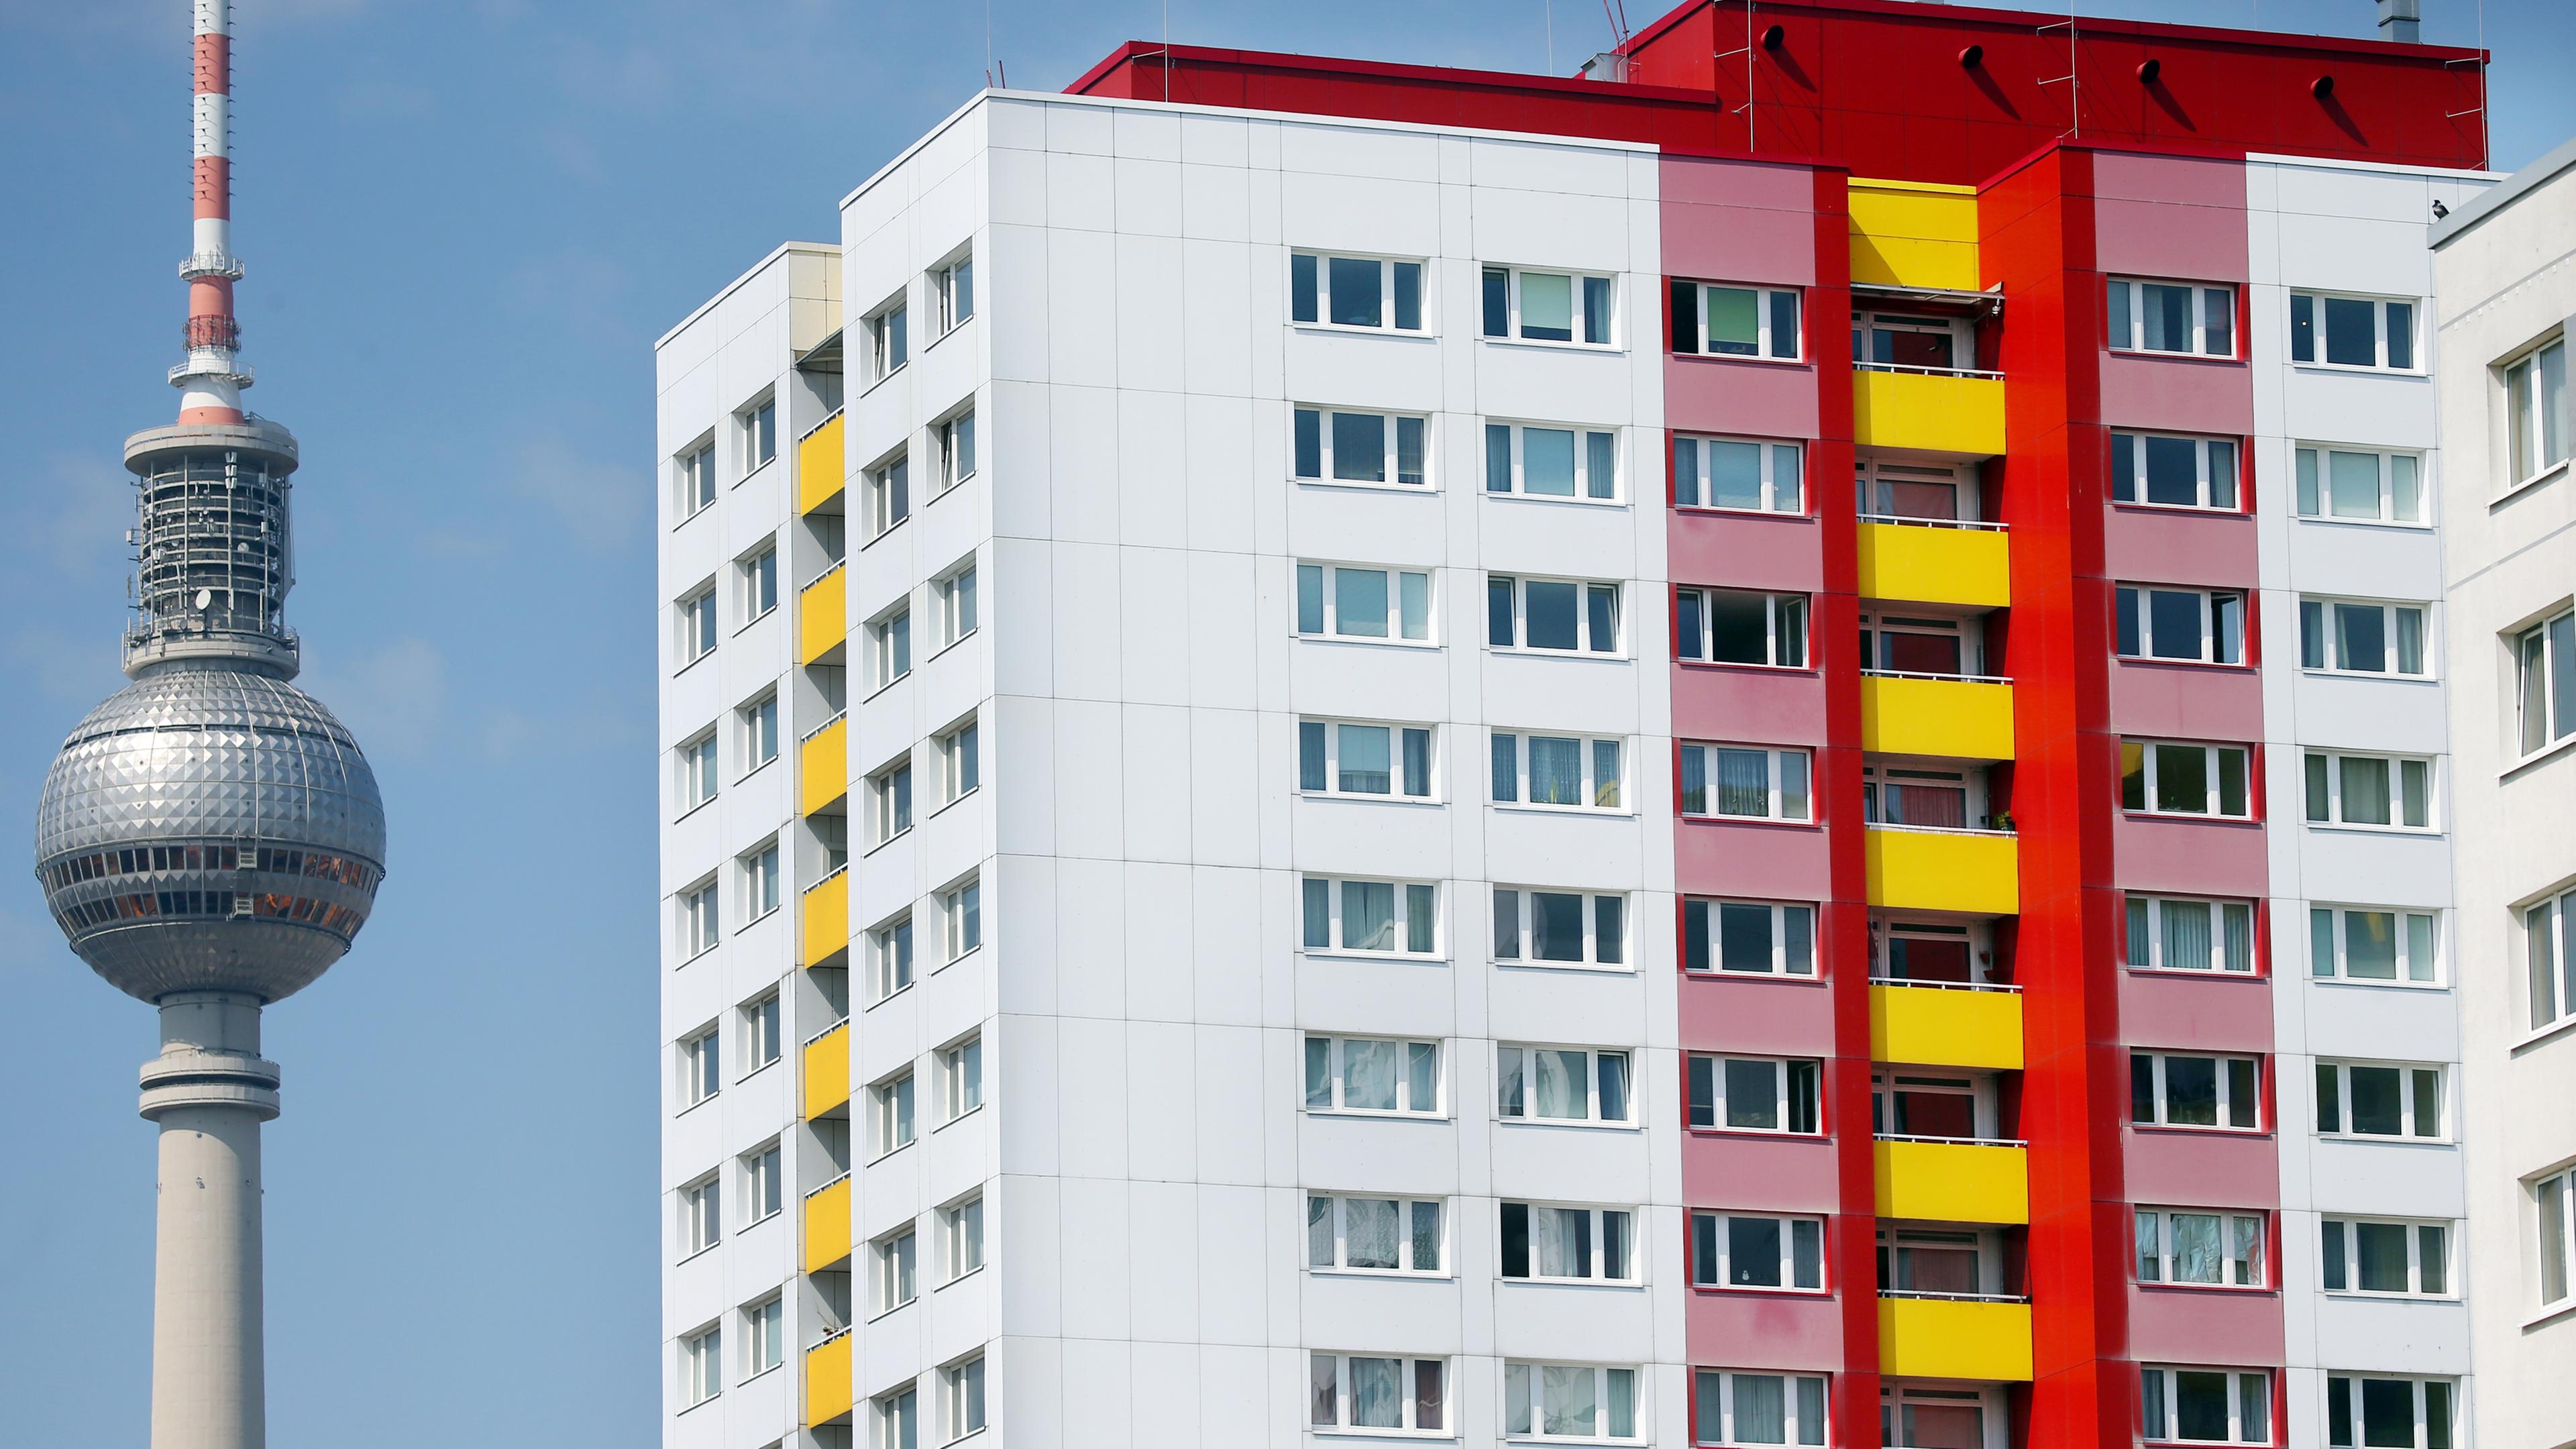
(827, 1380)
(827, 1072)
(1953, 1182)
(827, 917)
(823, 766)
(819, 470)
(1974, 871)
(827, 1225)
(1927, 563)
(823, 616)
(1959, 413)
(1960, 719)
(1954, 1338)
(1945, 1026)
(1913, 234)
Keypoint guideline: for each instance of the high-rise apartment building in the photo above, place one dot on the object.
(2507, 292)
(1303, 809)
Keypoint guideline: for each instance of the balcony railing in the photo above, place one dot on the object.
(1977, 1025)
(1903, 520)
(1948, 1141)
(2013, 986)
(1911, 371)
(1954, 1297)
(1944, 678)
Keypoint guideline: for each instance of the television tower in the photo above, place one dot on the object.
(210, 839)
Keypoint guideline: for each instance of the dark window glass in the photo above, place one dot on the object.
(1301, 288)
(1498, 302)
(1548, 609)
(1408, 296)
(2351, 332)
(1310, 443)
(1357, 301)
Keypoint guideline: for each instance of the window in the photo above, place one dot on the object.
(760, 1033)
(2169, 472)
(1756, 1094)
(954, 596)
(1926, 799)
(2548, 962)
(1569, 1244)
(1557, 770)
(1923, 951)
(1569, 1401)
(1932, 344)
(697, 468)
(2412, 1259)
(1381, 917)
(898, 1420)
(1355, 603)
(2204, 1406)
(1730, 626)
(1557, 1084)
(961, 917)
(1728, 473)
(1560, 928)
(759, 584)
(2170, 934)
(1890, 490)
(889, 493)
(1355, 1074)
(764, 1337)
(1375, 760)
(2166, 1090)
(2207, 1249)
(697, 625)
(699, 1078)
(2354, 943)
(2354, 790)
(1745, 1409)
(1920, 1418)
(2553, 1201)
(889, 339)
(1736, 321)
(1356, 1393)
(2172, 317)
(2362, 638)
(2363, 1100)
(890, 647)
(890, 1103)
(698, 920)
(2399, 1413)
(2195, 625)
(701, 1215)
(759, 723)
(961, 1078)
(1754, 1250)
(2536, 421)
(1372, 1234)
(832, 833)
(1547, 306)
(1944, 1108)
(953, 287)
(2545, 690)
(1543, 462)
(955, 438)
(2360, 486)
(1373, 292)
(701, 1366)
(1356, 447)
(1552, 614)
(763, 1185)
(890, 790)
(697, 772)
(1760, 938)
(890, 952)
(892, 1258)
(961, 1393)
(961, 1227)
(2352, 332)
(1748, 784)
(2176, 779)
(760, 883)
(759, 426)
(961, 761)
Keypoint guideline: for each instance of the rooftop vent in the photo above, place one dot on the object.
(2401, 20)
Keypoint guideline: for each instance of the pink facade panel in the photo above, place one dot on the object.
(1745, 550)
(2205, 1325)
(1741, 398)
(1765, 1330)
(2186, 701)
(2177, 395)
(2193, 857)
(1739, 244)
(1766, 1014)
(1743, 858)
(1759, 1173)
(2196, 1010)
(1719, 181)
(1773, 706)
(2178, 217)
(2201, 1168)
(2180, 546)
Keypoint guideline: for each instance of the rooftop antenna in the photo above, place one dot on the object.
(1548, 9)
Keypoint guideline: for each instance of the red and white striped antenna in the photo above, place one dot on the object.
(211, 380)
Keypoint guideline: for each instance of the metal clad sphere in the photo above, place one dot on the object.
(210, 829)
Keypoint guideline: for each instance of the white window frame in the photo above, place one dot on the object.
(1778, 769)
(764, 1032)
(1322, 263)
(764, 1336)
(1327, 614)
(702, 1216)
(2527, 423)
(889, 485)
(756, 424)
(897, 1418)
(2160, 1392)
(1513, 1061)
(2421, 1394)
(2329, 764)
(696, 465)
(758, 721)
(1586, 488)
(2244, 1246)
(961, 918)
(1868, 322)
(2314, 497)
(701, 1366)
(1712, 1253)
(961, 1231)
(2330, 947)
(764, 885)
(2548, 968)
(2210, 481)
(894, 962)
(1874, 483)
(1768, 344)
(1408, 1382)
(2553, 1205)
(894, 1270)
(1335, 1225)
(701, 1067)
(2126, 304)
(2221, 638)
(961, 761)
(2213, 770)
(1579, 316)
(701, 773)
(2544, 665)
(1586, 645)
(1520, 948)
(1334, 1059)
(2410, 1101)
(1412, 904)
(893, 810)
(1782, 465)
(1797, 1087)
(890, 651)
(759, 576)
(952, 291)
(1599, 1224)
(1390, 461)
(2315, 638)
(2339, 1256)
(2226, 1106)
(1706, 941)
(1788, 623)
(894, 1120)
(963, 1408)
(1595, 792)
(701, 920)
(2383, 336)
(2148, 911)
(953, 450)
(888, 331)
(1805, 1400)
(956, 605)
(1525, 1407)
(699, 630)
(961, 1078)
(764, 1191)
(1319, 745)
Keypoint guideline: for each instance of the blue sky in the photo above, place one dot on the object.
(466, 221)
